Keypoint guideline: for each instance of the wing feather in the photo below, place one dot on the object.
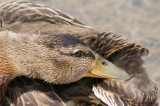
(28, 92)
(22, 11)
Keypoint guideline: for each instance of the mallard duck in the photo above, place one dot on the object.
(29, 23)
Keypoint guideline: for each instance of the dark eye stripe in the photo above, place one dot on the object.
(89, 54)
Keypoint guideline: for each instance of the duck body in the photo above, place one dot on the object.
(29, 18)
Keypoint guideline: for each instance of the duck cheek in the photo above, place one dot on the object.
(89, 65)
(76, 72)
(92, 64)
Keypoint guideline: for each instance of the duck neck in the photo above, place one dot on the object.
(6, 71)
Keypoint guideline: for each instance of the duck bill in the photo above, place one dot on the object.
(105, 69)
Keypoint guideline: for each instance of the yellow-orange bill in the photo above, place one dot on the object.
(107, 70)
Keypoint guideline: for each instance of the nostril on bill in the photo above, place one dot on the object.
(104, 63)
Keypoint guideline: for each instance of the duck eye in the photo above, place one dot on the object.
(78, 53)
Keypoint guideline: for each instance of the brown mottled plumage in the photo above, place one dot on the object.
(5, 64)
(26, 17)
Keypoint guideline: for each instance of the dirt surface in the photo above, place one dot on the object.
(136, 20)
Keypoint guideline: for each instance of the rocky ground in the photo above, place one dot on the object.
(136, 20)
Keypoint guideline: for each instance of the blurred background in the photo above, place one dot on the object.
(136, 20)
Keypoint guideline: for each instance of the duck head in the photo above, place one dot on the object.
(58, 59)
